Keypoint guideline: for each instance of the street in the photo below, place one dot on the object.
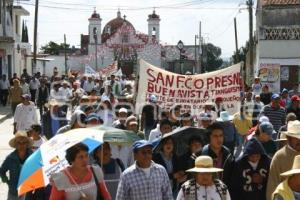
(6, 129)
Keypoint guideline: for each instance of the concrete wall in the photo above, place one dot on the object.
(281, 16)
(279, 49)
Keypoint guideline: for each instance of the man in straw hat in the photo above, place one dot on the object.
(204, 186)
(289, 189)
(283, 159)
(13, 163)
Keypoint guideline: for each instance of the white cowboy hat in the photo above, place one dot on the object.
(18, 136)
(293, 129)
(204, 164)
(224, 117)
(295, 169)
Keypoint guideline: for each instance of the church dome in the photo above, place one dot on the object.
(113, 25)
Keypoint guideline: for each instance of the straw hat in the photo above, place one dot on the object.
(293, 129)
(281, 138)
(204, 164)
(18, 136)
(295, 169)
(52, 103)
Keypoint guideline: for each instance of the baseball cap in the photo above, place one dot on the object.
(140, 144)
(91, 117)
(219, 99)
(153, 98)
(266, 127)
(284, 90)
(123, 110)
(263, 119)
(205, 116)
(26, 96)
(275, 96)
(295, 98)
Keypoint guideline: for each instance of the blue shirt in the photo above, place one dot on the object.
(55, 125)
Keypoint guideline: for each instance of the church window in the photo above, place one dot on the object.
(153, 31)
(125, 38)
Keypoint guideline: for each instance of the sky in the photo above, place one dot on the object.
(179, 19)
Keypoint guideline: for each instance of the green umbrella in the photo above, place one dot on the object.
(117, 136)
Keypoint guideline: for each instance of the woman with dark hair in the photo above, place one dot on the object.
(167, 158)
(79, 180)
(112, 168)
(105, 112)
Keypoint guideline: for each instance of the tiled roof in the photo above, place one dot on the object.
(280, 2)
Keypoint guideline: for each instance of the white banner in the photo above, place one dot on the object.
(189, 91)
(89, 71)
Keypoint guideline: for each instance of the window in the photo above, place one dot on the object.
(153, 31)
(125, 38)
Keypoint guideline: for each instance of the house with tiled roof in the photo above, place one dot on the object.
(278, 43)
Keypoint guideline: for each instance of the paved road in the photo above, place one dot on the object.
(6, 132)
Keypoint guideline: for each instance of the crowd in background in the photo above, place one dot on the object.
(249, 155)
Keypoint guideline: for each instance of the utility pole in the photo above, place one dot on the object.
(236, 42)
(250, 8)
(35, 35)
(196, 57)
(66, 59)
(200, 49)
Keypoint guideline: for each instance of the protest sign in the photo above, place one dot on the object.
(189, 91)
(269, 75)
(109, 70)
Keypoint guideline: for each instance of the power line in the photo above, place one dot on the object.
(183, 7)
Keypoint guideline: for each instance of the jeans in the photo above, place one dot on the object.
(240, 145)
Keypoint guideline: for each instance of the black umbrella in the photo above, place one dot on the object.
(181, 137)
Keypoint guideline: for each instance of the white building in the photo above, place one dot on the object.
(278, 42)
(13, 52)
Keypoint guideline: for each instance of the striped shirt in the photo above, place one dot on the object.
(135, 185)
(277, 116)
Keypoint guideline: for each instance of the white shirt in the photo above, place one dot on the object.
(124, 153)
(55, 94)
(88, 86)
(37, 143)
(4, 85)
(205, 193)
(107, 116)
(155, 134)
(25, 116)
(34, 85)
(25, 88)
(65, 93)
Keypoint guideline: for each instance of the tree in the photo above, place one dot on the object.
(242, 54)
(53, 48)
(211, 57)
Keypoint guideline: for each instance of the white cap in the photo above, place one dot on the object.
(123, 110)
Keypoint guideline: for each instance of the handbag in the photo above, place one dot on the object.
(99, 195)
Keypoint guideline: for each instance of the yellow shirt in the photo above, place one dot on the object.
(242, 126)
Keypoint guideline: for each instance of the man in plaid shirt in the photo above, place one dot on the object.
(144, 180)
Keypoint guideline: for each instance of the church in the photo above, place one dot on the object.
(118, 40)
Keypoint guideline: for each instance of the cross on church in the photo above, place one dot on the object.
(124, 17)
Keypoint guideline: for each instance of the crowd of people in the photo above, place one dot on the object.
(252, 154)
